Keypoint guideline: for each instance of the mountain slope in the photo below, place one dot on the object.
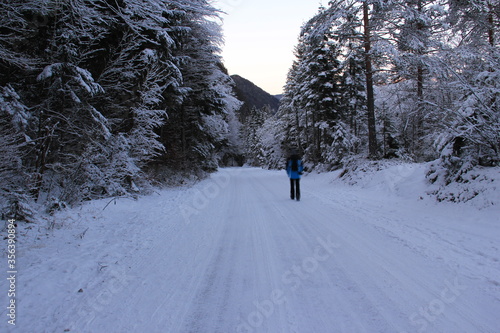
(252, 96)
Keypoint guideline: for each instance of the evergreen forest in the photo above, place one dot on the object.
(110, 98)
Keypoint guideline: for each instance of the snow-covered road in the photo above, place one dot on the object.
(235, 254)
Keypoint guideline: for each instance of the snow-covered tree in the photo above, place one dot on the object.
(325, 95)
(14, 191)
(101, 80)
(252, 135)
(197, 130)
(232, 154)
(418, 32)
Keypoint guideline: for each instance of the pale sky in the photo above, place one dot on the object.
(260, 36)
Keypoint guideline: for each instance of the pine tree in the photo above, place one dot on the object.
(325, 96)
(197, 130)
(254, 122)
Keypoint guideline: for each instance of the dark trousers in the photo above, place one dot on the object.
(295, 189)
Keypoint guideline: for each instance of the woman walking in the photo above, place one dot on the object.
(294, 169)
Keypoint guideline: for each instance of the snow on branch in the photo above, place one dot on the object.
(80, 76)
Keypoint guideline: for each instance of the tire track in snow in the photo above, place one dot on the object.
(247, 247)
(417, 281)
(218, 272)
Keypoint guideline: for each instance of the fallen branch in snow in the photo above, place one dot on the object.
(102, 266)
(116, 198)
(83, 233)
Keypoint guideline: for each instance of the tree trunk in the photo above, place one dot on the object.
(370, 99)
(491, 24)
(419, 132)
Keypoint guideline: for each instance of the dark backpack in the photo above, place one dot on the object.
(295, 164)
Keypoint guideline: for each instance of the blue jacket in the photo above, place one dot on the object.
(294, 174)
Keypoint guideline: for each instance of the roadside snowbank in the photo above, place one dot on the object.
(480, 190)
